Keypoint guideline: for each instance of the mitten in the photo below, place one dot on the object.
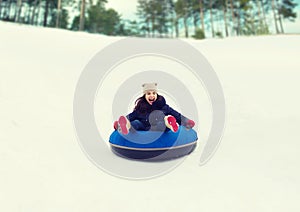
(189, 124)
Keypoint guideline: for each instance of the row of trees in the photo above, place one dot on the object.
(156, 18)
(35, 12)
(92, 16)
(228, 17)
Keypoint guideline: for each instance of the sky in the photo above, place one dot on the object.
(128, 9)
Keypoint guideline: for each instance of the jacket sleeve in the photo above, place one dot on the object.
(132, 116)
(182, 120)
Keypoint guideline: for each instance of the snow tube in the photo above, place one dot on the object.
(154, 145)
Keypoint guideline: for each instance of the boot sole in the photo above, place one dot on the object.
(123, 123)
(171, 123)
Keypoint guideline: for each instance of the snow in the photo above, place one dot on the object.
(255, 168)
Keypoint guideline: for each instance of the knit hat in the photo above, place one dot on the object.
(149, 87)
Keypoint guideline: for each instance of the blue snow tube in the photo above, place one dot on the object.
(154, 145)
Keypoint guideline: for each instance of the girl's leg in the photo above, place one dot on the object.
(137, 125)
(157, 122)
(160, 122)
(160, 126)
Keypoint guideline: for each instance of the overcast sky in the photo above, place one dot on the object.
(127, 8)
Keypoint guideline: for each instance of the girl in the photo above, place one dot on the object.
(152, 113)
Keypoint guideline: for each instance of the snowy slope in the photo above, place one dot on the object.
(256, 167)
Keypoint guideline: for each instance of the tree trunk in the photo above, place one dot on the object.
(176, 28)
(153, 26)
(238, 27)
(186, 30)
(172, 26)
(28, 12)
(239, 17)
(195, 22)
(38, 13)
(18, 11)
(148, 31)
(225, 18)
(202, 15)
(253, 27)
(58, 13)
(0, 9)
(259, 14)
(8, 9)
(33, 12)
(281, 25)
(279, 17)
(275, 17)
(46, 13)
(211, 19)
(82, 16)
(264, 16)
(232, 14)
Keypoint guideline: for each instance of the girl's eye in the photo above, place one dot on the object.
(153, 93)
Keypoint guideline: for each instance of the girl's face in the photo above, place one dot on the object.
(151, 96)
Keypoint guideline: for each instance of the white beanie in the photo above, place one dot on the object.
(149, 87)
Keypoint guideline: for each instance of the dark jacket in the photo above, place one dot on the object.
(160, 109)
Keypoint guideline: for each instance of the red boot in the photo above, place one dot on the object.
(171, 123)
(124, 125)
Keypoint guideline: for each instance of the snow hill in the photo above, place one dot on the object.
(255, 168)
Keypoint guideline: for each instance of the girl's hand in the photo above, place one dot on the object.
(189, 124)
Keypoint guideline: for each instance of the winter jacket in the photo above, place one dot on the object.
(158, 105)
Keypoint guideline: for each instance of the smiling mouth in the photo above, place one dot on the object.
(151, 101)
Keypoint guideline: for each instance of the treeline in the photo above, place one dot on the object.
(67, 14)
(218, 17)
(156, 18)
